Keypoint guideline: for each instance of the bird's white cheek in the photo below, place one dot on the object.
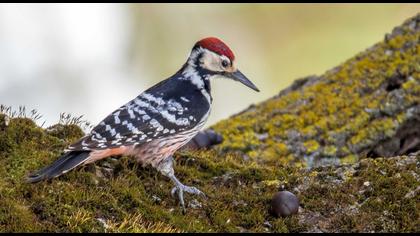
(211, 61)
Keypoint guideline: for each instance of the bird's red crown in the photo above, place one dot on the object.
(216, 45)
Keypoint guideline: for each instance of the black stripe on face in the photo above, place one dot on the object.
(204, 74)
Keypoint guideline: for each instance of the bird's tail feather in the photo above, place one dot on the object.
(64, 164)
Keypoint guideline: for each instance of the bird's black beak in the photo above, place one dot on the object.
(238, 76)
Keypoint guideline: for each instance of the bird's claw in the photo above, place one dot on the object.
(180, 189)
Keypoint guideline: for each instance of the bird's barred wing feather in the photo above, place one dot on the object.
(154, 114)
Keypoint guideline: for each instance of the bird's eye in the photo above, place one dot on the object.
(225, 63)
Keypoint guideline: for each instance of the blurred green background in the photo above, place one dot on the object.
(89, 59)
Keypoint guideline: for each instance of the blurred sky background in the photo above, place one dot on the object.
(89, 59)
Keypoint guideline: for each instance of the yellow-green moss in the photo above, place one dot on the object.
(354, 101)
(239, 192)
(311, 146)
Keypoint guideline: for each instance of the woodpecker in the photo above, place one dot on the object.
(159, 121)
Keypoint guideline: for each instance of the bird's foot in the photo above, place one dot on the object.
(165, 167)
(180, 188)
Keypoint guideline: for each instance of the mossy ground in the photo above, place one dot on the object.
(261, 154)
(130, 198)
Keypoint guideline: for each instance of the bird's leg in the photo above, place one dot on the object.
(166, 168)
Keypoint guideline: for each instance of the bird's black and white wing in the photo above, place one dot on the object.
(168, 108)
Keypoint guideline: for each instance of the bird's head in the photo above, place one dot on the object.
(212, 57)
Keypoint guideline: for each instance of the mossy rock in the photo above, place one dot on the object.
(367, 106)
(350, 114)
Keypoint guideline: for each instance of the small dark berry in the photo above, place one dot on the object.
(284, 203)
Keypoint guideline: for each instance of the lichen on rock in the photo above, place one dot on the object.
(346, 124)
(354, 110)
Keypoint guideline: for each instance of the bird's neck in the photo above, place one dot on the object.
(195, 74)
(198, 77)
